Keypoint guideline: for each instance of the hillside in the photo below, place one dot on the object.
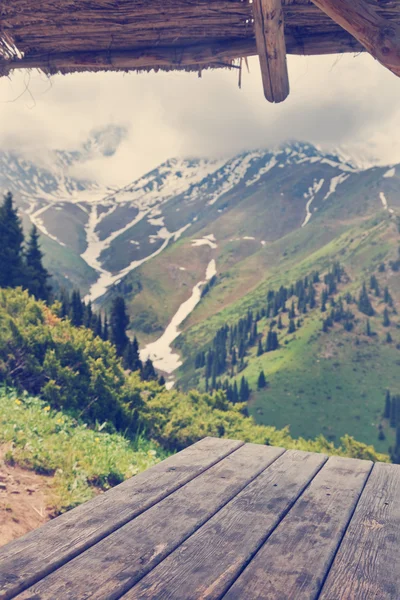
(196, 243)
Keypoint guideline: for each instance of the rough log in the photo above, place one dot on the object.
(378, 35)
(271, 48)
(173, 57)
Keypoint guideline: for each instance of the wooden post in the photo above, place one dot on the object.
(378, 35)
(271, 48)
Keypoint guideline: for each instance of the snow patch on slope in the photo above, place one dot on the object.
(160, 351)
(312, 192)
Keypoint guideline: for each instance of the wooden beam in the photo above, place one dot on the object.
(179, 57)
(271, 48)
(378, 35)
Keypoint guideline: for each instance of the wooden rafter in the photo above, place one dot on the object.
(271, 48)
(378, 35)
(216, 53)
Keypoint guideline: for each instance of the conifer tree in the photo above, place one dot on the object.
(292, 326)
(393, 412)
(261, 382)
(386, 320)
(161, 380)
(76, 309)
(387, 411)
(98, 326)
(149, 371)
(12, 268)
(389, 339)
(235, 393)
(119, 322)
(292, 311)
(364, 303)
(260, 349)
(105, 329)
(65, 303)
(244, 391)
(280, 325)
(387, 298)
(37, 276)
(368, 328)
(88, 317)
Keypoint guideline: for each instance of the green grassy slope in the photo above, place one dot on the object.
(83, 461)
(331, 383)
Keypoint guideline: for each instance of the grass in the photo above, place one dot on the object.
(331, 383)
(82, 461)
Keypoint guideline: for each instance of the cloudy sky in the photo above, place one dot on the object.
(335, 101)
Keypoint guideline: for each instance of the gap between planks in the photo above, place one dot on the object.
(117, 562)
(34, 556)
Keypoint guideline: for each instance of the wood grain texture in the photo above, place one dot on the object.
(360, 18)
(293, 562)
(212, 53)
(271, 48)
(115, 564)
(71, 35)
(367, 565)
(32, 557)
(206, 564)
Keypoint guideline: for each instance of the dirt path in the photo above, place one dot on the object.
(24, 497)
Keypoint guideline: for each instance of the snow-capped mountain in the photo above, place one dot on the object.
(114, 232)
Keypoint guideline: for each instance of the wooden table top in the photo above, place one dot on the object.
(222, 519)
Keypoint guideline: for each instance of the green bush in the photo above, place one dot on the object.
(68, 367)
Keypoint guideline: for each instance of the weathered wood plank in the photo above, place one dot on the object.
(379, 36)
(367, 564)
(181, 56)
(37, 554)
(294, 560)
(115, 564)
(271, 48)
(212, 558)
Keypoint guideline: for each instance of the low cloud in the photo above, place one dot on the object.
(350, 101)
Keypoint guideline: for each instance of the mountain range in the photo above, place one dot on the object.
(244, 224)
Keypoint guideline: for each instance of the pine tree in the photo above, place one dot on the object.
(88, 317)
(105, 329)
(292, 326)
(386, 413)
(292, 311)
(261, 382)
(119, 322)
(235, 393)
(244, 391)
(364, 303)
(161, 380)
(386, 320)
(387, 298)
(260, 349)
(393, 412)
(280, 325)
(65, 303)
(389, 339)
(36, 275)
(98, 326)
(76, 309)
(136, 364)
(12, 268)
(368, 328)
(149, 371)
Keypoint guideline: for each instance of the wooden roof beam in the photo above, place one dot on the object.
(378, 35)
(271, 48)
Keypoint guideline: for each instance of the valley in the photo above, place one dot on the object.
(196, 243)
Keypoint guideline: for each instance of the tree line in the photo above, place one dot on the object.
(21, 265)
